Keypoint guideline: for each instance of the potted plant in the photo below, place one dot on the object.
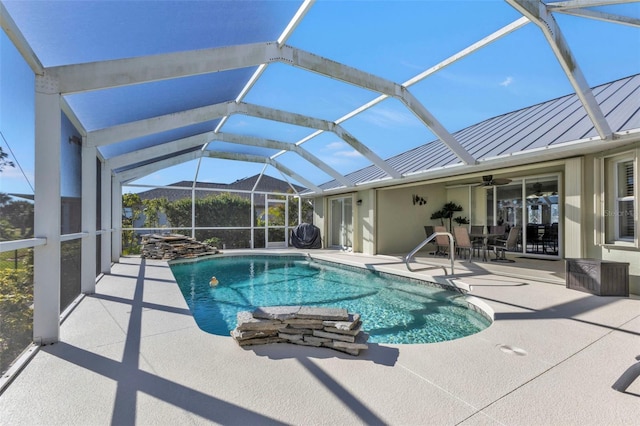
(446, 212)
(461, 220)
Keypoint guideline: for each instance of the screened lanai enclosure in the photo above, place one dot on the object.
(235, 121)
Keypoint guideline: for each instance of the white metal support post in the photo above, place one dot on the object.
(88, 263)
(253, 222)
(105, 218)
(46, 262)
(116, 219)
(286, 221)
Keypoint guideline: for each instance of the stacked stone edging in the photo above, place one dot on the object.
(174, 246)
(333, 328)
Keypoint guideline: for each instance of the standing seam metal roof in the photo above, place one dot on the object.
(546, 124)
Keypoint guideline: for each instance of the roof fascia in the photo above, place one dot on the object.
(537, 12)
(285, 146)
(531, 158)
(19, 41)
(263, 160)
(601, 16)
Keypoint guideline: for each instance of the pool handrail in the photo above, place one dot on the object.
(413, 252)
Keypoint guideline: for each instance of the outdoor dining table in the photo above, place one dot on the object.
(485, 242)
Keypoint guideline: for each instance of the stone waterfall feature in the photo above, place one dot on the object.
(333, 328)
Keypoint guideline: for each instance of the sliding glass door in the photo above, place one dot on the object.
(341, 222)
(542, 215)
(532, 204)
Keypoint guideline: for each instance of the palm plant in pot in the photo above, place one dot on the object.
(446, 212)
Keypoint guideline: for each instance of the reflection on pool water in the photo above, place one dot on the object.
(393, 309)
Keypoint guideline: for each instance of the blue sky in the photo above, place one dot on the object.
(395, 40)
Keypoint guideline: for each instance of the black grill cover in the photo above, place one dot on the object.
(305, 236)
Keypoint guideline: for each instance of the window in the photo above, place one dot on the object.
(620, 199)
(625, 214)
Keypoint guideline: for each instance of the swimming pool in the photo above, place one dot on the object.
(394, 309)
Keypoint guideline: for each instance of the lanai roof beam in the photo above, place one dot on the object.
(537, 12)
(138, 172)
(159, 150)
(578, 4)
(106, 74)
(184, 118)
(601, 16)
(285, 146)
(507, 29)
(263, 160)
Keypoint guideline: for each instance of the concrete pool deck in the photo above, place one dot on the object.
(132, 354)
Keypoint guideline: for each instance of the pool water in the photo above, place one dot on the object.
(393, 309)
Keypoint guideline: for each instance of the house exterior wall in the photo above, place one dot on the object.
(365, 222)
(388, 222)
(400, 222)
(319, 218)
(574, 208)
(597, 245)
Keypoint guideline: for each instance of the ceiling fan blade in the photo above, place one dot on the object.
(501, 181)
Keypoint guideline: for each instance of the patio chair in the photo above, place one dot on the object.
(501, 245)
(550, 238)
(463, 241)
(442, 242)
(477, 229)
(498, 232)
(428, 230)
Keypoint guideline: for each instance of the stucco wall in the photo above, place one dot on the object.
(400, 222)
(319, 218)
(594, 249)
(388, 221)
(364, 222)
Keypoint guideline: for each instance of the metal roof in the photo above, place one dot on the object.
(155, 84)
(557, 122)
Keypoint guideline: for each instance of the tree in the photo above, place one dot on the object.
(131, 211)
(152, 210)
(224, 209)
(3, 160)
(16, 313)
(19, 215)
(4, 199)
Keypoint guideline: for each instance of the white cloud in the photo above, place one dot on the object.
(351, 154)
(334, 146)
(339, 153)
(507, 81)
(340, 149)
(389, 118)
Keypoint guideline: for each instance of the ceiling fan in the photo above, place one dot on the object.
(537, 187)
(488, 180)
